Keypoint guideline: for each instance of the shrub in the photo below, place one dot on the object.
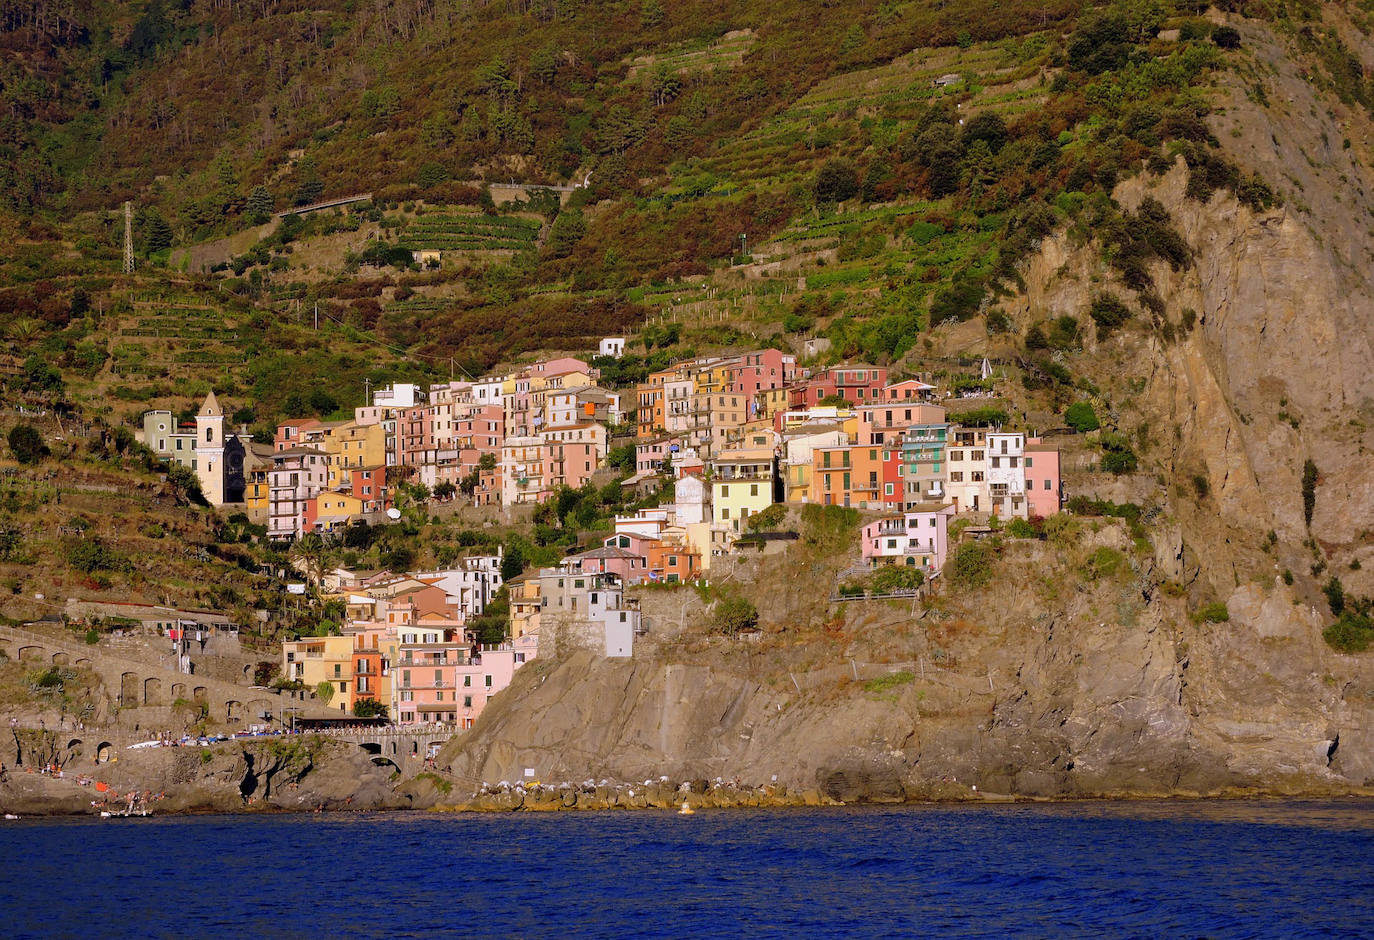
(1103, 563)
(1335, 596)
(369, 708)
(27, 443)
(1021, 529)
(1117, 456)
(92, 636)
(1309, 490)
(895, 578)
(734, 615)
(767, 519)
(1212, 613)
(836, 181)
(969, 566)
(1351, 633)
(325, 692)
(1081, 417)
(1109, 313)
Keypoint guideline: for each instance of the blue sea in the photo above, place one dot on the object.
(1063, 870)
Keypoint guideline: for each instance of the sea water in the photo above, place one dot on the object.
(1223, 869)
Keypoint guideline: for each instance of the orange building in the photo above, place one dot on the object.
(847, 476)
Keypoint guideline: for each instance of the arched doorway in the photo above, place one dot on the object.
(60, 659)
(152, 691)
(129, 689)
(103, 751)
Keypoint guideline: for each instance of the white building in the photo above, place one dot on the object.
(691, 501)
(967, 485)
(612, 346)
(399, 395)
(1006, 474)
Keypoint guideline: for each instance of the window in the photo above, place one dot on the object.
(467, 701)
(1028, 463)
(405, 677)
(1047, 484)
(487, 681)
(956, 476)
(753, 489)
(467, 682)
(337, 672)
(932, 522)
(725, 491)
(996, 462)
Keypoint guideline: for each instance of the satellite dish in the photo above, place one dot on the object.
(393, 513)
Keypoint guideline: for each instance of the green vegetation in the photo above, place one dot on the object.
(969, 565)
(1081, 417)
(369, 708)
(1215, 612)
(1309, 490)
(325, 692)
(1104, 563)
(26, 443)
(894, 578)
(734, 614)
(887, 683)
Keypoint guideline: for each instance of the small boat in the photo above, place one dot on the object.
(686, 810)
(11, 816)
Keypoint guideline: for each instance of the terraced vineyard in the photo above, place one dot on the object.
(470, 233)
(726, 52)
(880, 103)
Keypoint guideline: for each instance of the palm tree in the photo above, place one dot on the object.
(310, 555)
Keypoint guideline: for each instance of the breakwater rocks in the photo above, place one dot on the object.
(649, 794)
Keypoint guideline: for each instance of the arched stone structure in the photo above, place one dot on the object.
(233, 711)
(60, 658)
(30, 653)
(130, 689)
(178, 692)
(200, 695)
(372, 747)
(103, 751)
(152, 691)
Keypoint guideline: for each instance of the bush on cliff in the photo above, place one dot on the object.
(734, 615)
(970, 566)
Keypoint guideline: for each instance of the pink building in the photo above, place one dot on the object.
(489, 670)
(909, 390)
(859, 384)
(624, 563)
(1044, 488)
(919, 538)
(764, 369)
(884, 422)
(415, 436)
(575, 451)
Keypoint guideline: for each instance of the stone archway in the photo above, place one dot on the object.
(82, 664)
(129, 689)
(393, 748)
(152, 691)
(233, 711)
(30, 653)
(74, 749)
(178, 692)
(248, 674)
(60, 659)
(386, 762)
(372, 747)
(103, 752)
(200, 695)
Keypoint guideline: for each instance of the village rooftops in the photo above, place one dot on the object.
(300, 452)
(607, 552)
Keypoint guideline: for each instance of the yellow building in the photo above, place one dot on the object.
(525, 605)
(257, 463)
(319, 659)
(333, 509)
(742, 485)
(352, 446)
